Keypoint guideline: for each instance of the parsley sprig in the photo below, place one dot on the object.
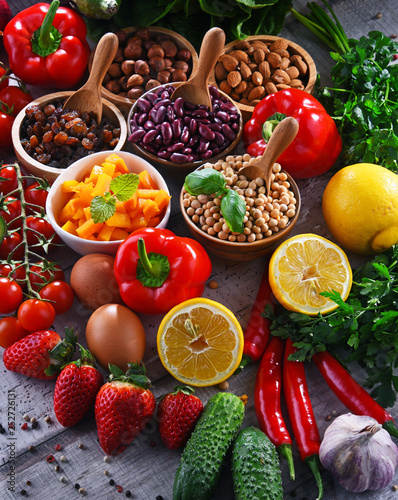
(366, 326)
(122, 188)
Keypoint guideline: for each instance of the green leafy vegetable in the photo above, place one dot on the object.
(122, 188)
(365, 326)
(210, 181)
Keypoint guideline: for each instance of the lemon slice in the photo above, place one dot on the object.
(200, 342)
(305, 265)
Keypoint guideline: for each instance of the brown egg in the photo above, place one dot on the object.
(93, 281)
(115, 335)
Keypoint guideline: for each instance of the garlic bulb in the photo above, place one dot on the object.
(359, 452)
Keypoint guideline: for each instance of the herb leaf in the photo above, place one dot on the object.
(102, 209)
(124, 186)
(205, 181)
(233, 209)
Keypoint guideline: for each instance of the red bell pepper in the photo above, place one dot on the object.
(47, 46)
(156, 270)
(317, 144)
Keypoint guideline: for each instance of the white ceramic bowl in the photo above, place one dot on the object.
(56, 199)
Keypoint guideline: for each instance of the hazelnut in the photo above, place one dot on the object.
(114, 70)
(106, 79)
(163, 77)
(134, 40)
(127, 67)
(155, 51)
(156, 64)
(178, 76)
(142, 33)
(141, 67)
(122, 36)
(169, 47)
(182, 65)
(184, 55)
(151, 84)
(167, 62)
(119, 56)
(123, 82)
(135, 93)
(134, 81)
(148, 44)
(133, 51)
(113, 86)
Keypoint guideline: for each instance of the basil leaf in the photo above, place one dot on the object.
(205, 181)
(102, 208)
(124, 186)
(233, 209)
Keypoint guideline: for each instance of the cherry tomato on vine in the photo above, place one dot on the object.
(11, 295)
(15, 98)
(6, 121)
(41, 226)
(60, 293)
(41, 274)
(36, 314)
(11, 331)
(8, 179)
(10, 242)
(10, 208)
(35, 196)
(14, 271)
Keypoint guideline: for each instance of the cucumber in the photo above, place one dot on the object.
(204, 454)
(3, 229)
(255, 467)
(97, 9)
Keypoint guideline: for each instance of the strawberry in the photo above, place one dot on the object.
(76, 389)
(177, 415)
(40, 354)
(122, 408)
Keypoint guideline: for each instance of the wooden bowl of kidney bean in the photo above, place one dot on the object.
(269, 218)
(46, 140)
(178, 136)
(146, 58)
(259, 65)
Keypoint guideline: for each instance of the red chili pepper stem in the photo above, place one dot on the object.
(314, 464)
(286, 451)
(389, 427)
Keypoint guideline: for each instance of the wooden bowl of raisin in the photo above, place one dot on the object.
(47, 139)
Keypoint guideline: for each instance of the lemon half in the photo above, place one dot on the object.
(305, 265)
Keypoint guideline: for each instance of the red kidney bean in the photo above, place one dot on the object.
(228, 107)
(214, 92)
(228, 132)
(175, 147)
(215, 127)
(193, 125)
(165, 94)
(160, 114)
(203, 145)
(149, 136)
(205, 132)
(186, 151)
(142, 119)
(170, 113)
(185, 134)
(149, 125)
(152, 98)
(179, 107)
(162, 102)
(207, 154)
(191, 107)
(219, 138)
(224, 116)
(149, 148)
(167, 131)
(179, 158)
(165, 155)
(144, 105)
(200, 113)
(193, 140)
(137, 135)
(159, 140)
(177, 127)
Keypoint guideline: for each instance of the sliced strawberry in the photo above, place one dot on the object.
(122, 408)
(76, 389)
(40, 354)
(177, 415)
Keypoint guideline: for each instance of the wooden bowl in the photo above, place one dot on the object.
(124, 103)
(293, 49)
(38, 169)
(235, 251)
(180, 169)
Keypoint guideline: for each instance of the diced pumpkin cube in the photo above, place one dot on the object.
(109, 168)
(119, 162)
(121, 207)
(95, 172)
(88, 228)
(86, 193)
(131, 203)
(146, 181)
(154, 221)
(102, 185)
(119, 234)
(79, 214)
(147, 193)
(87, 213)
(105, 233)
(68, 186)
(162, 199)
(118, 220)
(150, 210)
(70, 227)
(138, 223)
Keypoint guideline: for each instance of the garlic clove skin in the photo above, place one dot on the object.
(359, 453)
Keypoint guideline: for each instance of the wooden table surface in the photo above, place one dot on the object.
(147, 467)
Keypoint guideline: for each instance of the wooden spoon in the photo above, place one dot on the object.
(88, 98)
(196, 89)
(280, 139)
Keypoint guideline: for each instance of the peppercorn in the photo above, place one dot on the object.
(47, 420)
(23, 492)
(81, 446)
(213, 284)
(28, 483)
(62, 458)
(111, 482)
(26, 417)
(33, 420)
(82, 491)
(2, 430)
(119, 488)
(58, 447)
(24, 426)
(50, 458)
(128, 493)
(159, 497)
(107, 459)
(57, 468)
(77, 486)
(31, 448)
(35, 425)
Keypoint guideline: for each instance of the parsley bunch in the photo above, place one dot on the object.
(366, 326)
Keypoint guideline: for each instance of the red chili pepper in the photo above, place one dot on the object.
(257, 332)
(156, 270)
(300, 411)
(47, 46)
(350, 393)
(317, 144)
(267, 400)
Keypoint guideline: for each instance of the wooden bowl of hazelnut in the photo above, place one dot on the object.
(269, 219)
(146, 58)
(259, 65)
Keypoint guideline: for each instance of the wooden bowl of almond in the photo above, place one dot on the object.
(259, 65)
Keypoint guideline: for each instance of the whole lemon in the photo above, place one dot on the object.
(360, 207)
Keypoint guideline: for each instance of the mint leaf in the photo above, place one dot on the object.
(124, 186)
(102, 208)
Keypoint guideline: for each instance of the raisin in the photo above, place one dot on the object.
(60, 138)
(49, 109)
(34, 141)
(87, 143)
(48, 136)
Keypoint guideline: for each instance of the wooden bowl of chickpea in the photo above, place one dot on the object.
(269, 217)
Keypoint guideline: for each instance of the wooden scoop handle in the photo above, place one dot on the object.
(104, 55)
(212, 45)
(280, 139)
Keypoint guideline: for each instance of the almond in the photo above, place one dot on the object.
(282, 86)
(234, 95)
(244, 101)
(250, 87)
(299, 63)
(264, 69)
(234, 78)
(273, 59)
(280, 76)
(257, 93)
(279, 44)
(293, 72)
(253, 66)
(240, 55)
(259, 45)
(257, 79)
(241, 87)
(282, 52)
(285, 63)
(220, 72)
(270, 88)
(230, 63)
(254, 102)
(245, 71)
(258, 56)
(296, 83)
(225, 87)
(242, 45)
